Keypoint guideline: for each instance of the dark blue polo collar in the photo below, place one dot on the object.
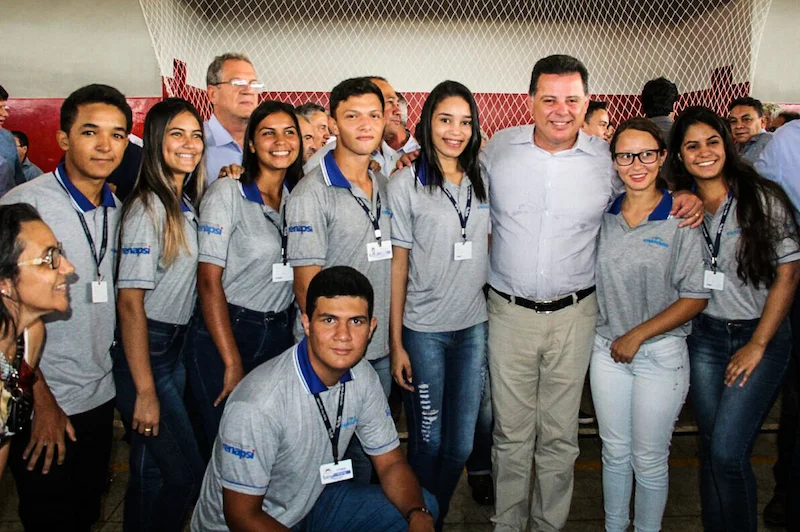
(306, 373)
(330, 171)
(106, 196)
(661, 212)
(421, 169)
(251, 192)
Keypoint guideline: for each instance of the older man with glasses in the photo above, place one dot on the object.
(233, 90)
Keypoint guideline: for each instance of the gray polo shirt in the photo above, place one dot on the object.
(75, 361)
(234, 234)
(751, 150)
(443, 294)
(170, 289)
(643, 270)
(272, 440)
(327, 227)
(737, 301)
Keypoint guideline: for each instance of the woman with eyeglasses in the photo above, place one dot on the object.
(246, 309)
(649, 286)
(155, 299)
(741, 344)
(33, 283)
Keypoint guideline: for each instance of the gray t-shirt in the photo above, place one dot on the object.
(170, 289)
(75, 360)
(443, 294)
(327, 227)
(272, 440)
(643, 270)
(739, 301)
(234, 234)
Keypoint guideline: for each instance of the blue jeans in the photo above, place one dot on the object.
(480, 461)
(166, 471)
(637, 405)
(259, 337)
(362, 465)
(448, 371)
(354, 507)
(729, 418)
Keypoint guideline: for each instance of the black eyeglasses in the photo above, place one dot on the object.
(645, 157)
(52, 259)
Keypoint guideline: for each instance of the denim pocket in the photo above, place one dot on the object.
(160, 343)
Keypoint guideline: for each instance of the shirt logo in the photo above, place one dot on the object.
(656, 241)
(140, 250)
(389, 213)
(734, 232)
(242, 454)
(352, 420)
(483, 206)
(301, 228)
(210, 229)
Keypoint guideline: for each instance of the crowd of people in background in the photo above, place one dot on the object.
(246, 290)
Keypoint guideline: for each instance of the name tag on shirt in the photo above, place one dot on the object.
(331, 473)
(462, 251)
(282, 273)
(99, 292)
(713, 280)
(377, 252)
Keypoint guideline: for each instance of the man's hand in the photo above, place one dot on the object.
(406, 160)
(420, 522)
(689, 207)
(234, 171)
(47, 432)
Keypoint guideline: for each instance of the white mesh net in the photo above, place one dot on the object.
(302, 48)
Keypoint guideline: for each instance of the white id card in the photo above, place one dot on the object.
(462, 251)
(282, 273)
(330, 473)
(379, 252)
(99, 292)
(713, 280)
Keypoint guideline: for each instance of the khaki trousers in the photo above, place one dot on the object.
(537, 366)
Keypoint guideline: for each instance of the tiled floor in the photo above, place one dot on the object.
(682, 512)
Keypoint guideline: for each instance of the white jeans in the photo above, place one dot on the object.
(637, 405)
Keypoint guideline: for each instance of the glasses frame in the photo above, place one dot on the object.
(635, 156)
(50, 259)
(240, 84)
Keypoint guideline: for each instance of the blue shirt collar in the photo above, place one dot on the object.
(251, 192)
(219, 135)
(185, 204)
(106, 196)
(421, 169)
(661, 212)
(330, 171)
(306, 373)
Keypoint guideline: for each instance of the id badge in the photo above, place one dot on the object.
(331, 473)
(713, 280)
(377, 252)
(282, 273)
(99, 292)
(462, 251)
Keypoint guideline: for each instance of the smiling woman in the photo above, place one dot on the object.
(33, 283)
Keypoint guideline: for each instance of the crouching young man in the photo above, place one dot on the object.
(277, 462)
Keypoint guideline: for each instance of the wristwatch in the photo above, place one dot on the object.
(415, 509)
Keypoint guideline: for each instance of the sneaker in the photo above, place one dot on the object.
(584, 418)
(482, 489)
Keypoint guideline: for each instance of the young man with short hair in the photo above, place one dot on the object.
(276, 463)
(29, 169)
(748, 125)
(233, 90)
(596, 121)
(75, 389)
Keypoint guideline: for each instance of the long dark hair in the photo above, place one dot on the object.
(250, 160)
(468, 160)
(155, 176)
(762, 224)
(11, 219)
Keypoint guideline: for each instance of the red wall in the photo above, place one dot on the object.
(39, 119)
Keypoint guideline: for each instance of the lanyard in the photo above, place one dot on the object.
(333, 433)
(98, 259)
(713, 249)
(367, 210)
(283, 231)
(461, 218)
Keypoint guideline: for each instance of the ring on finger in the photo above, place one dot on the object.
(148, 429)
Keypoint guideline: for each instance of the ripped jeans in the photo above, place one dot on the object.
(448, 371)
